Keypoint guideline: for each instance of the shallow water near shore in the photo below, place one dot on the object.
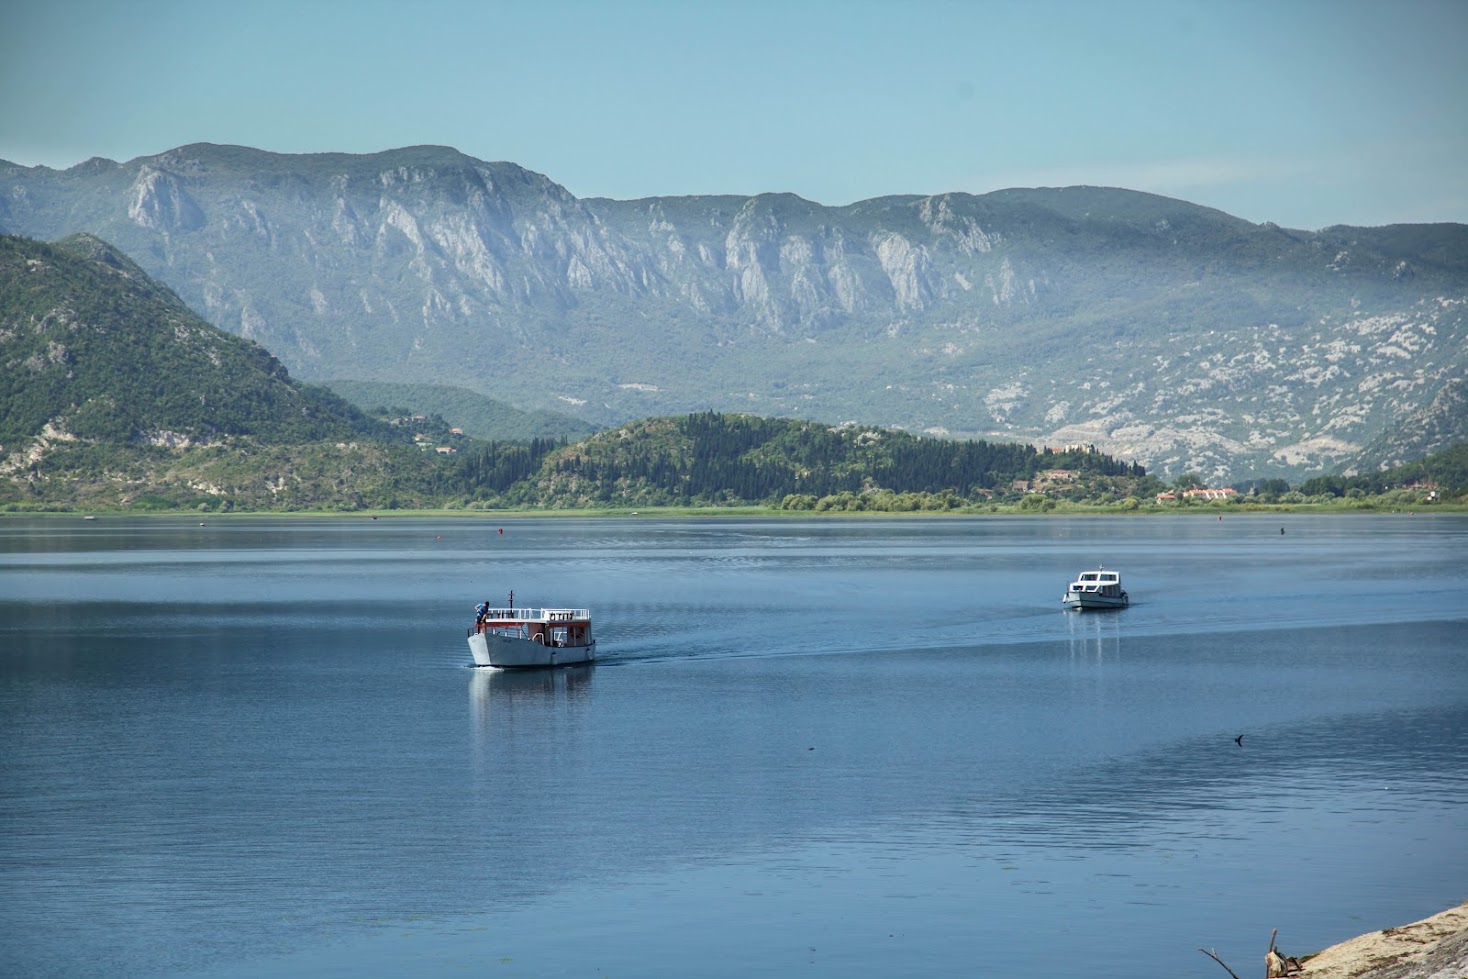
(832, 747)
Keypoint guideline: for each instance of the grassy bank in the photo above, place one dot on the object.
(774, 512)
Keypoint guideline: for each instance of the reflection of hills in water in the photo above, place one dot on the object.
(496, 697)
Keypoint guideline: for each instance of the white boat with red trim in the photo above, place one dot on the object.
(1095, 589)
(529, 638)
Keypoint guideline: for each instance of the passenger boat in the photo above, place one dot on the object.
(527, 638)
(1095, 589)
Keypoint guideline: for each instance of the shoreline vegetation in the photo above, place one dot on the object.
(703, 512)
(546, 479)
(699, 463)
(1218, 510)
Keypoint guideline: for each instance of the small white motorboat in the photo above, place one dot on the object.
(1095, 589)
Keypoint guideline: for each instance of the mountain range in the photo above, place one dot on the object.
(1154, 329)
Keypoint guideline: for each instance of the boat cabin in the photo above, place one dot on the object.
(1097, 582)
(550, 627)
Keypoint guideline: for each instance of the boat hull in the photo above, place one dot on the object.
(513, 653)
(1081, 601)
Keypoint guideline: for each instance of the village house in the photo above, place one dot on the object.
(1427, 486)
(1209, 494)
(1226, 493)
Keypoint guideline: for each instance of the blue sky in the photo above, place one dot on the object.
(1303, 112)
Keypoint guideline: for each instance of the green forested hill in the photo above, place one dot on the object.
(1445, 471)
(114, 393)
(712, 458)
(91, 348)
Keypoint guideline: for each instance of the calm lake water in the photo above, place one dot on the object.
(817, 748)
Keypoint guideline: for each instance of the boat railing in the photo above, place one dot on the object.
(539, 614)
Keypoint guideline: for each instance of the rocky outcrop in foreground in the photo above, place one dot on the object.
(1433, 948)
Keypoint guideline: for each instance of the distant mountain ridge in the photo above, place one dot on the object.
(478, 416)
(1157, 330)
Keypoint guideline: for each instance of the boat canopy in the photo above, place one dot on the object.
(1101, 577)
(537, 615)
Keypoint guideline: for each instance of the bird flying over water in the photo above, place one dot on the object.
(1239, 741)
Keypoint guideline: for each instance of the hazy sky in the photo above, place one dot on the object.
(1303, 112)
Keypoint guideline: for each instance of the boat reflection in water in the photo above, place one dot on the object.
(507, 703)
(1096, 636)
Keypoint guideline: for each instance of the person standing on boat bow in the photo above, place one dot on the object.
(480, 611)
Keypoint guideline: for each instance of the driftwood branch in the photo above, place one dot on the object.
(1214, 956)
(1276, 965)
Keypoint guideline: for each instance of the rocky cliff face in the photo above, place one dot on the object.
(1169, 333)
